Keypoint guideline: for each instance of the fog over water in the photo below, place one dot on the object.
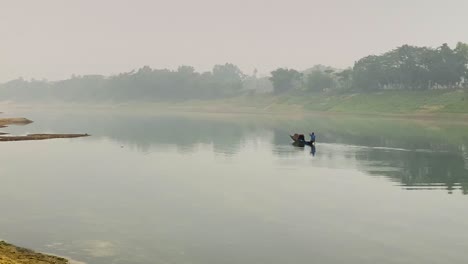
(175, 188)
(189, 107)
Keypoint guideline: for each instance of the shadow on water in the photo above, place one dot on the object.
(301, 146)
(415, 155)
(313, 150)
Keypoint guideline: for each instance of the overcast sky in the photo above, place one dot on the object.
(53, 39)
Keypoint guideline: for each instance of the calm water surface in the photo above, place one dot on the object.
(207, 189)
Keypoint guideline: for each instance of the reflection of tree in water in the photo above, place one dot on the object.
(414, 162)
(425, 163)
(442, 164)
(183, 133)
(149, 131)
(464, 151)
(419, 170)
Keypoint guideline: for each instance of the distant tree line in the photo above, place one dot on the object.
(404, 68)
(143, 84)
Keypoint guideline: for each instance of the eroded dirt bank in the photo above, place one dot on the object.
(10, 254)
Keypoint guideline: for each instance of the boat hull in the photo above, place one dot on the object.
(301, 143)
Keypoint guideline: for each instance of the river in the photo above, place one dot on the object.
(221, 189)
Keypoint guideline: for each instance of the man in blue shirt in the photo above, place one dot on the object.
(312, 137)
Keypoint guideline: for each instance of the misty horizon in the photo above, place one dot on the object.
(233, 131)
(54, 40)
(254, 72)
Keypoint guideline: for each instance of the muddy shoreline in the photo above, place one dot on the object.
(5, 122)
(10, 254)
(40, 137)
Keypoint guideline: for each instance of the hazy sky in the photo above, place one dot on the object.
(56, 38)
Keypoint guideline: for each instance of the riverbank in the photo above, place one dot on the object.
(4, 122)
(418, 105)
(434, 104)
(40, 137)
(414, 103)
(10, 254)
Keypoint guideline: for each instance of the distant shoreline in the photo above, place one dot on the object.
(446, 106)
(292, 113)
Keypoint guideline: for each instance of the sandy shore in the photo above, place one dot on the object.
(40, 137)
(4, 122)
(10, 254)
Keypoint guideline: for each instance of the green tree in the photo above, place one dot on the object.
(229, 78)
(369, 73)
(410, 67)
(285, 80)
(345, 79)
(461, 51)
(320, 80)
(444, 67)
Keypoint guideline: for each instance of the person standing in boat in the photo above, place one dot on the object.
(312, 137)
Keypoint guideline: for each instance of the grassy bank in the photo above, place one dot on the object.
(394, 103)
(10, 254)
(387, 102)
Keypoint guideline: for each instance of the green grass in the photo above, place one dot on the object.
(392, 102)
(454, 101)
(422, 103)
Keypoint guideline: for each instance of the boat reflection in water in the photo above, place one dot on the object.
(312, 149)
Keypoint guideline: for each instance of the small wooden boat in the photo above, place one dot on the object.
(299, 141)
